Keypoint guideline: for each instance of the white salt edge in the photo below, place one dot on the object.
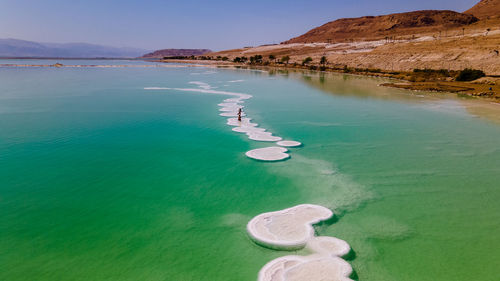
(263, 136)
(233, 100)
(248, 129)
(232, 114)
(273, 153)
(310, 268)
(288, 143)
(229, 104)
(287, 229)
(243, 122)
(230, 108)
(330, 246)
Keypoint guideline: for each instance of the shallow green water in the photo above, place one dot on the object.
(103, 180)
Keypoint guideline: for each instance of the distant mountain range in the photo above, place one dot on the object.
(23, 48)
(176, 52)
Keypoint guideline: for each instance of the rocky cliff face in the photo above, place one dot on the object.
(486, 9)
(176, 52)
(379, 27)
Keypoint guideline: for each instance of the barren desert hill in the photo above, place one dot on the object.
(398, 42)
(379, 27)
(176, 52)
(485, 9)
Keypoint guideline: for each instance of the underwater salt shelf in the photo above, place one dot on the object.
(273, 153)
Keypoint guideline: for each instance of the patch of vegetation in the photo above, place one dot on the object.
(176, 58)
(372, 70)
(285, 59)
(307, 60)
(470, 74)
(256, 59)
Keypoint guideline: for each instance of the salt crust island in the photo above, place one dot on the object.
(273, 153)
(291, 229)
(288, 143)
(230, 108)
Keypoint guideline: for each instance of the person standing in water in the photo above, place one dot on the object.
(239, 114)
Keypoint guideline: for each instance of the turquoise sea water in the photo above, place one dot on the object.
(103, 180)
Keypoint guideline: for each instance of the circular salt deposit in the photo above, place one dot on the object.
(248, 129)
(328, 246)
(243, 122)
(263, 136)
(287, 143)
(310, 268)
(273, 153)
(286, 229)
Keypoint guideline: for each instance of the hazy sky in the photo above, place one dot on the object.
(155, 24)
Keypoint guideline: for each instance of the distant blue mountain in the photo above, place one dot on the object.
(22, 48)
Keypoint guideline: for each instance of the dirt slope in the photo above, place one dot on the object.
(379, 27)
(485, 9)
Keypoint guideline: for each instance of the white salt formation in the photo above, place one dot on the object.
(287, 229)
(287, 143)
(273, 153)
(292, 229)
(263, 136)
(310, 268)
(328, 246)
(232, 114)
(234, 100)
(248, 129)
(202, 85)
(244, 122)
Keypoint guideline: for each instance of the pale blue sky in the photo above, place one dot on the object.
(156, 24)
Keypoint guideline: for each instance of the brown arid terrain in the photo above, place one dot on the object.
(485, 9)
(176, 52)
(398, 43)
(387, 26)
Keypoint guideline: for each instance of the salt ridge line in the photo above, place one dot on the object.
(291, 229)
(230, 108)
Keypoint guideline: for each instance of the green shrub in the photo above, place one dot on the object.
(470, 74)
(307, 61)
